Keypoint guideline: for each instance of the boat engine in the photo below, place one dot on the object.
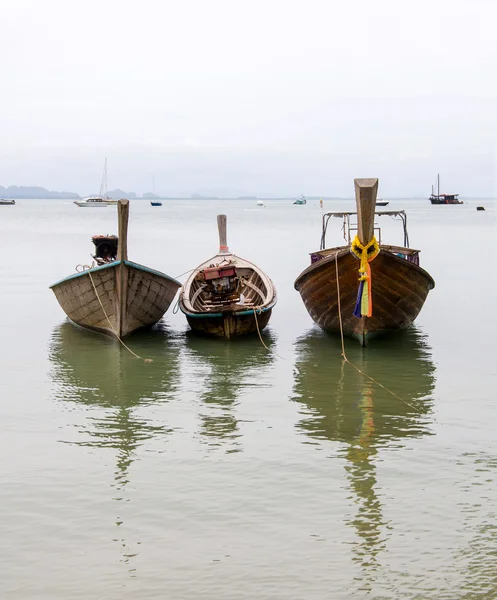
(105, 248)
(221, 281)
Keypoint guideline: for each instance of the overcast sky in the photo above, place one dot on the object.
(261, 96)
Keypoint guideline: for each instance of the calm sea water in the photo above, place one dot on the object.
(223, 471)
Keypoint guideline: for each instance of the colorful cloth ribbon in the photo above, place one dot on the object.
(367, 253)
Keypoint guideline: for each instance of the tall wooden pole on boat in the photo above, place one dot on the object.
(366, 191)
(123, 217)
(122, 269)
(223, 240)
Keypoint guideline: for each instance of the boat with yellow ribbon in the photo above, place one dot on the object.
(364, 287)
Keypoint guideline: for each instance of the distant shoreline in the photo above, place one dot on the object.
(279, 198)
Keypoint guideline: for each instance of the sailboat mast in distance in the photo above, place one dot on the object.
(103, 185)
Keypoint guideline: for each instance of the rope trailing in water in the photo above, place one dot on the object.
(366, 253)
(343, 344)
(259, 332)
(147, 360)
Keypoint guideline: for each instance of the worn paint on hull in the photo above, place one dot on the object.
(132, 296)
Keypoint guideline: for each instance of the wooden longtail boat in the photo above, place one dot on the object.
(227, 296)
(118, 296)
(393, 287)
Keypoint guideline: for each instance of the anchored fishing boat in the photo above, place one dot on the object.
(227, 296)
(344, 289)
(115, 296)
(439, 198)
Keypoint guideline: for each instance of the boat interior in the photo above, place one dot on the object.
(227, 286)
(349, 229)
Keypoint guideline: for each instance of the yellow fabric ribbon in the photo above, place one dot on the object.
(365, 254)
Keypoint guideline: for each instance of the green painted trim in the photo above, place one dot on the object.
(234, 314)
(83, 273)
(114, 264)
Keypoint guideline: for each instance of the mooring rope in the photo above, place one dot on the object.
(343, 344)
(258, 308)
(147, 360)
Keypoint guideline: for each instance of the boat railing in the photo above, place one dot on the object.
(350, 225)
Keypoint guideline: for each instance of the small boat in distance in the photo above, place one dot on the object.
(227, 296)
(480, 208)
(102, 199)
(301, 200)
(117, 296)
(4, 202)
(381, 202)
(155, 202)
(260, 202)
(439, 198)
(368, 297)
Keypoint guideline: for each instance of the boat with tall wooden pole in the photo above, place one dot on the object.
(115, 296)
(227, 296)
(379, 287)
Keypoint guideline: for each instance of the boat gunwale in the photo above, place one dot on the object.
(343, 250)
(115, 264)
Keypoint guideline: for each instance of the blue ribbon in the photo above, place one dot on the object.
(357, 309)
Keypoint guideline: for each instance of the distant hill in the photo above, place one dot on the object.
(27, 192)
(201, 197)
(119, 194)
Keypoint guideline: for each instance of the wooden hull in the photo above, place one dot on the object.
(399, 290)
(229, 324)
(128, 297)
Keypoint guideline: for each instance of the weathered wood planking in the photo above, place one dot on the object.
(399, 290)
(399, 287)
(229, 317)
(123, 297)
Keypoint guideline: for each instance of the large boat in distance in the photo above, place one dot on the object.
(439, 198)
(102, 199)
(4, 202)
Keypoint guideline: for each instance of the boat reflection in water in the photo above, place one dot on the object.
(99, 374)
(341, 405)
(219, 373)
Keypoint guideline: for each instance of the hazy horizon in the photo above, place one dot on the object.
(263, 99)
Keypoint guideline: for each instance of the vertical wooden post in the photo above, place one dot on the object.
(123, 216)
(222, 228)
(122, 270)
(366, 191)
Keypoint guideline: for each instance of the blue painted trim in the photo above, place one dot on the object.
(114, 264)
